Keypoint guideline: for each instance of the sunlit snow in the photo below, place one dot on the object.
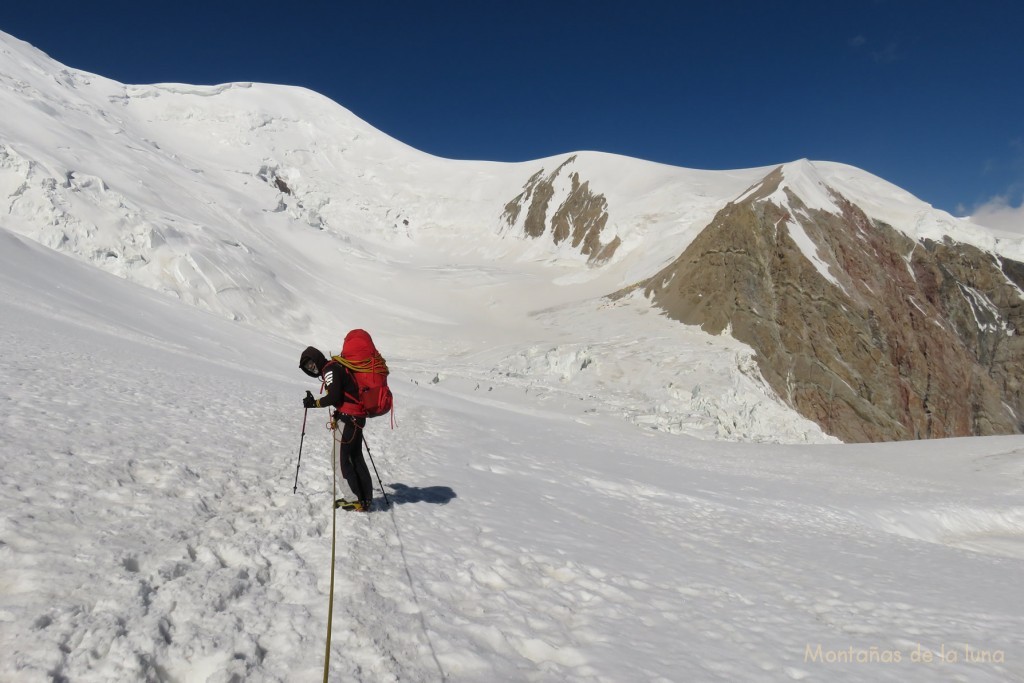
(582, 489)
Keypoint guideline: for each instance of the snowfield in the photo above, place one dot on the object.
(581, 489)
(150, 532)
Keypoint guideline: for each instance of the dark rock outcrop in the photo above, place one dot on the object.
(873, 335)
(581, 217)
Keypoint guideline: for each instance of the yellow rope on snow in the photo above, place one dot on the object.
(334, 538)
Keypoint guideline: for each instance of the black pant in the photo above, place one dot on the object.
(353, 466)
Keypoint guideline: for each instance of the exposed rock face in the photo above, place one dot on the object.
(580, 216)
(871, 334)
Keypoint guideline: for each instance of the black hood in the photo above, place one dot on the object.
(314, 354)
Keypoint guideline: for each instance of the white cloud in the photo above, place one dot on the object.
(1000, 214)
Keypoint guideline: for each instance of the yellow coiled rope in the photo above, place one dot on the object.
(375, 363)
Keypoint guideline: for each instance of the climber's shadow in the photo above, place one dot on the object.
(438, 495)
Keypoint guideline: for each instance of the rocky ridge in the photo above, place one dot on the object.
(873, 335)
(577, 213)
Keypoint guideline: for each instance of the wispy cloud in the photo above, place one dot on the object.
(1000, 213)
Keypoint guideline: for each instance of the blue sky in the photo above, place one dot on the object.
(927, 94)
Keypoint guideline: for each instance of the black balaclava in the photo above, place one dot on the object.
(314, 354)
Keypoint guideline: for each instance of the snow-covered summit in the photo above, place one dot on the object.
(276, 207)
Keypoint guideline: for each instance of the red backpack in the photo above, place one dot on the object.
(370, 371)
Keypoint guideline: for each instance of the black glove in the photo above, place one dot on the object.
(309, 401)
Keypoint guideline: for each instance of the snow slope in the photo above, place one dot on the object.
(176, 188)
(149, 530)
(274, 206)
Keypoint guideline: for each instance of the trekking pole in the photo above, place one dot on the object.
(303, 438)
(383, 492)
